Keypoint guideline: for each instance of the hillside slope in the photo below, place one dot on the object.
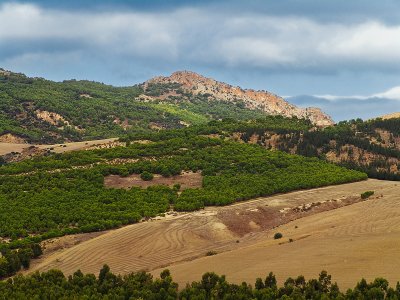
(85, 191)
(371, 146)
(36, 110)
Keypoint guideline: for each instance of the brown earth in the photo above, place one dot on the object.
(57, 148)
(10, 138)
(349, 241)
(186, 180)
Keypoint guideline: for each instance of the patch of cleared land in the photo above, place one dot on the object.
(186, 180)
(349, 241)
(58, 148)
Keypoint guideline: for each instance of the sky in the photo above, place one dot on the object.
(340, 55)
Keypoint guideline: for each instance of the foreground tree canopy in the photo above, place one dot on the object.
(54, 285)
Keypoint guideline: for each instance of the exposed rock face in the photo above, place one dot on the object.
(4, 72)
(50, 117)
(26, 153)
(54, 119)
(263, 100)
(391, 116)
(12, 139)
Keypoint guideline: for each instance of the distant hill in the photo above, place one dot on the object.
(37, 110)
(391, 116)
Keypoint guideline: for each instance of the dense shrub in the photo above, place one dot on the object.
(367, 194)
(278, 235)
(146, 176)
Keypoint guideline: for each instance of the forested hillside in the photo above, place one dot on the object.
(61, 194)
(42, 111)
(371, 146)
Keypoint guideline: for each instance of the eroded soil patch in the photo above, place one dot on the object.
(186, 180)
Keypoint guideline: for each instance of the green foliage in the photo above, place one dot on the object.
(46, 205)
(367, 194)
(11, 261)
(141, 285)
(177, 187)
(361, 135)
(182, 114)
(298, 136)
(146, 176)
(278, 235)
(227, 127)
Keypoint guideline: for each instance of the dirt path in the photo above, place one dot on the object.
(181, 241)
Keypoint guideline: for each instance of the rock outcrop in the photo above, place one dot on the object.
(395, 115)
(11, 139)
(263, 100)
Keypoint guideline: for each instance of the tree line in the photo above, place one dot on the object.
(141, 285)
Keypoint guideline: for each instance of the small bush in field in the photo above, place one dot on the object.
(367, 194)
(146, 176)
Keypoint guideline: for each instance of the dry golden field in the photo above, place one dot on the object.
(330, 228)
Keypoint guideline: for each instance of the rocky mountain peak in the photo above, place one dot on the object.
(264, 100)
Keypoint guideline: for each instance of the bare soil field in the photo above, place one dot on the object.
(58, 148)
(349, 241)
(186, 180)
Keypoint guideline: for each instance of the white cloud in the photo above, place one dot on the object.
(204, 37)
(392, 94)
(336, 97)
(368, 42)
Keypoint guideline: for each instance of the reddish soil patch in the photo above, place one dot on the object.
(263, 218)
(186, 180)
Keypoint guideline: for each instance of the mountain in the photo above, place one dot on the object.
(262, 100)
(36, 110)
(391, 116)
